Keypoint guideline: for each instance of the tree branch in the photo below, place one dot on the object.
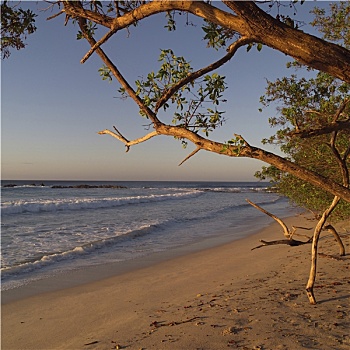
(232, 49)
(197, 8)
(55, 15)
(335, 126)
(118, 75)
(97, 45)
(341, 109)
(126, 142)
(290, 242)
(305, 48)
(286, 231)
(190, 155)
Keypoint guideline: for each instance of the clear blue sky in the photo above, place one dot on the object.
(53, 106)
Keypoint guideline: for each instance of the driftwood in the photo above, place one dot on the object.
(313, 240)
(290, 242)
(287, 233)
(331, 229)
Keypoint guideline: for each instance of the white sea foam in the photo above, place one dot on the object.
(50, 205)
(50, 259)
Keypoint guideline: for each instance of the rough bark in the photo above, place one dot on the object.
(305, 48)
(236, 23)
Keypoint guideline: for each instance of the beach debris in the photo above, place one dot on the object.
(228, 331)
(158, 324)
(117, 346)
(91, 343)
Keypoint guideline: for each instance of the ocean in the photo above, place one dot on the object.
(49, 227)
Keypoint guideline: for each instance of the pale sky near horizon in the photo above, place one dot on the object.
(52, 106)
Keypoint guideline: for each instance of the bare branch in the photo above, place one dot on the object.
(334, 232)
(190, 155)
(286, 231)
(290, 242)
(315, 239)
(97, 45)
(54, 16)
(128, 143)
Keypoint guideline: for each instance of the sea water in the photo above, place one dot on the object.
(51, 227)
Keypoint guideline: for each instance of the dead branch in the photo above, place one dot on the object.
(190, 155)
(286, 231)
(55, 15)
(290, 242)
(128, 143)
(312, 276)
(98, 44)
(334, 232)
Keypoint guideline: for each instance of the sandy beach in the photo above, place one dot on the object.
(224, 297)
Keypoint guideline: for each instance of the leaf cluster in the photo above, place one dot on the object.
(308, 104)
(215, 35)
(188, 101)
(16, 24)
(335, 26)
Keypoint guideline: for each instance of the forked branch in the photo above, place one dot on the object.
(126, 142)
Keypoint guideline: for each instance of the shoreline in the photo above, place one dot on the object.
(213, 298)
(94, 273)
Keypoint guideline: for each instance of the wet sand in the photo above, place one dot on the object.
(227, 297)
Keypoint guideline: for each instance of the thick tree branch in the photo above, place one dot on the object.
(305, 48)
(249, 21)
(256, 153)
(197, 8)
(335, 126)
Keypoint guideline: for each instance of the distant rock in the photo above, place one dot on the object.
(10, 185)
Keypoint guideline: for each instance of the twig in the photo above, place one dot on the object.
(98, 44)
(56, 15)
(190, 155)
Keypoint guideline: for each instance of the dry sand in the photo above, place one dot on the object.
(227, 297)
